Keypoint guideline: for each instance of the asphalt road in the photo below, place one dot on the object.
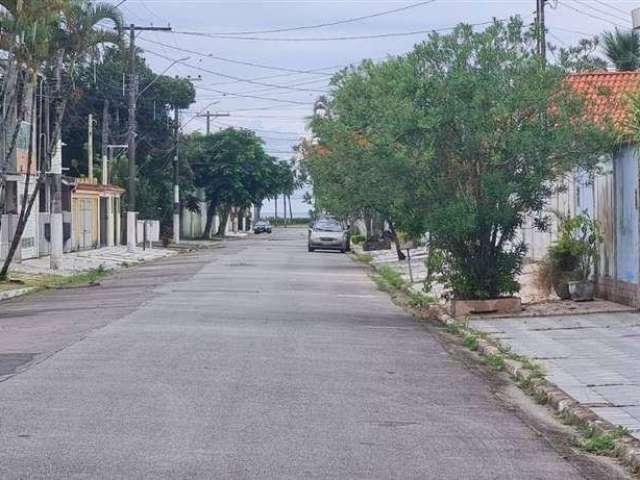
(256, 361)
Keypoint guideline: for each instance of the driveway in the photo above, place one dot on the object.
(256, 361)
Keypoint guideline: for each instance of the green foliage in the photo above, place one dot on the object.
(623, 49)
(601, 443)
(233, 169)
(461, 138)
(495, 361)
(357, 239)
(421, 300)
(471, 342)
(575, 253)
(391, 277)
(102, 81)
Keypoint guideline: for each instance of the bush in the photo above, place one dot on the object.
(357, 239)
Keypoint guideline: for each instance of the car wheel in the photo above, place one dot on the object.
(311, 249)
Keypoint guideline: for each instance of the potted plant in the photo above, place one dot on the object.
(569, 264)
(581, 287)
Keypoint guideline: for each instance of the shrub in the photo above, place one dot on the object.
(357, 239)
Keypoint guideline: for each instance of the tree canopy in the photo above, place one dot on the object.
(461, 138)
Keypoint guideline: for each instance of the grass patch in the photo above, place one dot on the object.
(494, 361)
(44, 282)
(471, 342)
(454, 329)
(421, 300)
(601, 443)
(392, 278)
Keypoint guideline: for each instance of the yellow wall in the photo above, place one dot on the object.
(86, 207)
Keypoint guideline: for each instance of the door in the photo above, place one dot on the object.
(87, 222)
(626, 179)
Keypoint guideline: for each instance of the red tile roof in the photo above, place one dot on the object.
(607, 94)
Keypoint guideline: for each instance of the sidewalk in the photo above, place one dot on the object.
(589, 350)
(109, 258)
(594, 358)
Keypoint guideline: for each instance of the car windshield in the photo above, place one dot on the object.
(328, 227)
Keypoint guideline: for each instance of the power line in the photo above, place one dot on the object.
(331, 24)
(596, 17)
(330, 39)
(612, 7)
(238, 62)
(232, 77)
(601, 11)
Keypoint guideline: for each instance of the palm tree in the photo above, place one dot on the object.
(50, 34)
(623, 49)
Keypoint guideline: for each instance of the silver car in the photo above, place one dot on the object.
(324, 235)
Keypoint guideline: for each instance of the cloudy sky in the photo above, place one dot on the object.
(264, 62)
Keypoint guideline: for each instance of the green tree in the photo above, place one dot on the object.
(359, 164)
(622, 48)
(233, 169)
(41, 36)
(100, 83)
(479, 130)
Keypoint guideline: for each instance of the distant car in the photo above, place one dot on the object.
(262, 227)
(329, 235)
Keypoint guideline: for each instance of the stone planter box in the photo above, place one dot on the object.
(462, 308)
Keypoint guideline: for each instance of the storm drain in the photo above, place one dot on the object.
(10, 362)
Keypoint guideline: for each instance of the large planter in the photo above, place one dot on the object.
(462, 308)
(581, 291)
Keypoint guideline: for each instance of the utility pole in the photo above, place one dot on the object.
(105, 143)
(176, 180)
(131, 134)
(541, 30)
(209, 116)
(90, 149)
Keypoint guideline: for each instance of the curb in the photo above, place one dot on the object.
(627, 447)
(18, 292)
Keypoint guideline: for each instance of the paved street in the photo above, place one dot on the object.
(253, 361)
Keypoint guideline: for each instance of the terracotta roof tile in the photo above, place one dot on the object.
(607, 94)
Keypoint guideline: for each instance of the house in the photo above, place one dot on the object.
(610, 196)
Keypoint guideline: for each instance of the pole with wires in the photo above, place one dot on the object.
(131, 134)
(541, 30)
(176, 179)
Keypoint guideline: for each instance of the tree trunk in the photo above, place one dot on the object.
(290, 212)
(396, 241)
(224, 217)
(257, 212)
(27, 200)
(284, 209)
(275, 212)
(208, 229)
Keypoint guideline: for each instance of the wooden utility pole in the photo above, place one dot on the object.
(90, 148)
(131, 134)
(541, 30)
(105, 143)
(176, 179)
(209, 116)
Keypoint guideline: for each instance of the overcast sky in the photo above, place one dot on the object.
(290, 87)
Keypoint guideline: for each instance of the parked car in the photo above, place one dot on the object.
(262, 227)
(329, 235)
